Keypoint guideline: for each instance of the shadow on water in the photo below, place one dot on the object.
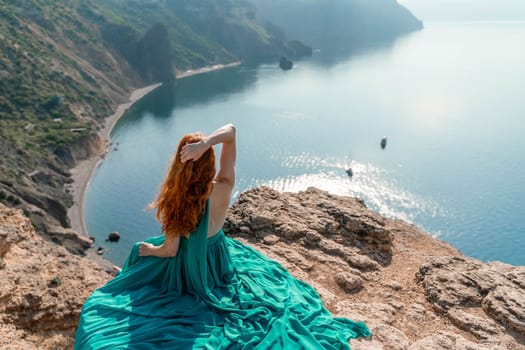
(199, 89)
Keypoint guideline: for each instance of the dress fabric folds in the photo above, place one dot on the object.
(216, 293)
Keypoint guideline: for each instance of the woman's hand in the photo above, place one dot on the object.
(146, 249)
(193, 151)
(166, 250)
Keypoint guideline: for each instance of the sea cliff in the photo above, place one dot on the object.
(414, 291)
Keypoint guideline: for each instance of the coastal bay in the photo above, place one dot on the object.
(306, 126)
(84, 170)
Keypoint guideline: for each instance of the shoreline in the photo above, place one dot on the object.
(207, 69)
(83, 171)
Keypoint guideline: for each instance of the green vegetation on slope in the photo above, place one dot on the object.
(123, 22)
(66, 64)
(42, 86)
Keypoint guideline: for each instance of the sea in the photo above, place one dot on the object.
(449, 99)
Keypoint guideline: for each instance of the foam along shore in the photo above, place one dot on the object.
(190, 72)
(85, 169)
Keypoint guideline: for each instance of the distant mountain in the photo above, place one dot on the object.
(338, 23)
(233, 25)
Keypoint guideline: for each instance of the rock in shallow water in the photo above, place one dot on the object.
(113, 237)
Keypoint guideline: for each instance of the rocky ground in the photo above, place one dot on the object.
(414, 292)
(43, 287)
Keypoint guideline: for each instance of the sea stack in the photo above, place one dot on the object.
(113, 237)
(285, 63)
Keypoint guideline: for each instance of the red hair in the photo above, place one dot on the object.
(182, 198)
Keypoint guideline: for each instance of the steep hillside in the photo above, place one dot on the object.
(233, 24)
(339, 24)
(67, 64)
(58, 83)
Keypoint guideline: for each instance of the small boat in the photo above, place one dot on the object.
(383, 142)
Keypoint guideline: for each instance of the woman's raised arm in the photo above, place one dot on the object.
(225, 178)
(224, 135)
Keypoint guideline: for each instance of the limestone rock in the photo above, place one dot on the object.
(349, 282)
(451, 341)
(9, 235)
(285, 64)
(416, 313)
(391, 337)
(480, 327)
(113, 237)
(372, 312)
(314, 219)
(506, 303)
(271, 239)
(43, 287)
(366, 344)
(497, 288)
(69, 239)
(413, 291)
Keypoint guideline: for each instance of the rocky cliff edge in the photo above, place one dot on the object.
(42, 288)
(414, 291)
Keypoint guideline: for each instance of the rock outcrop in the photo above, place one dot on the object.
(414, 291)
(43, 287)
(285, 64)
(462, 288)
(154, 57)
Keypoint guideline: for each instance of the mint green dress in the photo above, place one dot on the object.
(216, 293)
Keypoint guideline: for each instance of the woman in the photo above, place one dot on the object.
(193, 287)
(188, 186)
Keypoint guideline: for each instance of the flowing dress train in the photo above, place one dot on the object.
(216, 293)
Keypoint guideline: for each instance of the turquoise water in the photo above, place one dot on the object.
(449, 98)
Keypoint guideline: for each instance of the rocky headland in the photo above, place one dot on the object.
(414, 291)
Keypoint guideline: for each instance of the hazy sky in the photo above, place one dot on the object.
(470, 10)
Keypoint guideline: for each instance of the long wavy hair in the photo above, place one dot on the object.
(182, 198)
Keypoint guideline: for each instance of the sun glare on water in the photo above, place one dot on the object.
(368, 182)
